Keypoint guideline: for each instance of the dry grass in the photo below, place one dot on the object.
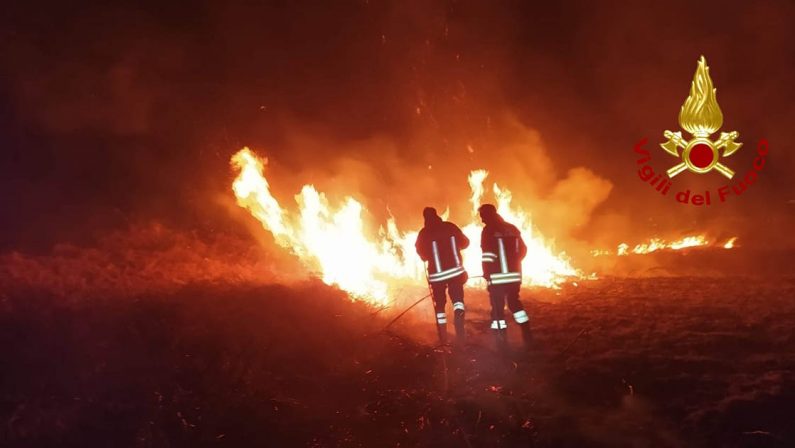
(658, 362)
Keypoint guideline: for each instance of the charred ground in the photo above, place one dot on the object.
(645, 362)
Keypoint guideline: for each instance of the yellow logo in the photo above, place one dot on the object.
(701, 116)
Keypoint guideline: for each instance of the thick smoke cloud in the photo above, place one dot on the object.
(130, 112)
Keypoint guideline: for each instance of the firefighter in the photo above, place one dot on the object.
(439, 243)
(503, 252)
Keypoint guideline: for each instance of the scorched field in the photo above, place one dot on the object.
(657, 362)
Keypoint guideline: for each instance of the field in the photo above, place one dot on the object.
(615, 362)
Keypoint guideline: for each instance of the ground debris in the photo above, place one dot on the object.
(707, 364)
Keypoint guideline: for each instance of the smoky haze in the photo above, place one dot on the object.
(116, 114)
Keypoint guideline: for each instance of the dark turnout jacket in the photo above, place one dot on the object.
(503, 252)
(440, 244)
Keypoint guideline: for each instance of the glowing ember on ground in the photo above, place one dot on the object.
(372, 267)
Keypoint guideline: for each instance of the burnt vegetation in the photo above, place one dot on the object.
(654, 362)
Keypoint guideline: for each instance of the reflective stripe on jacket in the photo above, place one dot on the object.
(440, 244)
(503, 252)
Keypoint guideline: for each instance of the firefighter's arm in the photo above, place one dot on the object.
(489, 257)
(419, 245)
(460, 238)
(522, 247)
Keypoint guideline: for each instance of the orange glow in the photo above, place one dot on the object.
(334, 240)
(689, 241)
(655, 244)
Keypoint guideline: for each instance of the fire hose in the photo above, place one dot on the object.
(430, 293)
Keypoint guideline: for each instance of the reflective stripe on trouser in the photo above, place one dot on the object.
(500, 278)
(441, 318)
(498, 325)
(454, 286)
(446, 274)
(521, 316)
(499, 295)
(458, 306)
(488, 257)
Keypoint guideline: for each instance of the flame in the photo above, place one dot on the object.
(372, 267)
(689, 241)
(655, 244)
(730, 243)
(700, 114)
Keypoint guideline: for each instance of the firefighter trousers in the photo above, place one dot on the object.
(454, 287)
(499, 295)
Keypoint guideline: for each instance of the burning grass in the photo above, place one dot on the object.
(144, 258)
(373, 265)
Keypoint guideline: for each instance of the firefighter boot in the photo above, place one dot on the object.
(441, 327)
(527, 335)
(460, 333)
(442, 330)
(523, 320)
(500, 328)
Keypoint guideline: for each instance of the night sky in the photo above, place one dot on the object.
(117, 114)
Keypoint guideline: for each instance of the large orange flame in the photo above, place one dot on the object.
(335, 241)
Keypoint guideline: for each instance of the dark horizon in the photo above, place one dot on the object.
(145, 302)
(127, 113)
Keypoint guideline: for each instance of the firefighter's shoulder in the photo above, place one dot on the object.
(450, 227)
(512, 230)
(421, 234)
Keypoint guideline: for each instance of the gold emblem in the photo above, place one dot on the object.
(701, 116)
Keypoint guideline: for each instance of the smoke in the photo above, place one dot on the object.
(390, 182)
(130, 112)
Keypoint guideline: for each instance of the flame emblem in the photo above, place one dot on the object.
(701, 116)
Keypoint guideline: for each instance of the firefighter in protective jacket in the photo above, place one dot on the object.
(503, 252)
(439, 243)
